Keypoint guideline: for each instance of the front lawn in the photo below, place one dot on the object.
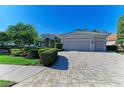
(5, 59)
(6, 83)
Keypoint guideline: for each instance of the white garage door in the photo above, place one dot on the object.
(99, 45)
(78, 44)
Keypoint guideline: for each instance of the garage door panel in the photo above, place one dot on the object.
(83, 45)
(99, 45)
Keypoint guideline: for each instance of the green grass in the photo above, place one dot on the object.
(6, 83)
(6, 59)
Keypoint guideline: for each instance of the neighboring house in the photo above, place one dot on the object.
(10, 43)
(111, 39)
(48, 37)
(84, 41)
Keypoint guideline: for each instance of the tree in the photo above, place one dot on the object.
(38, 41)
(95, 30)
(78, 29)
(46, 41)
(120, 31)
(4, 38)
(85, 30)
(22, 34)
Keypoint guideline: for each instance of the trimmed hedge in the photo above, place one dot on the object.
(112, 48)
(15, 52)
(42, 49)
(48, 56)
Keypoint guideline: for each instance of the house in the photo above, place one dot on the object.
(84, 41)
(111, 39)
(47, 38)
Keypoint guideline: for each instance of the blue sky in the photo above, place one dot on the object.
(62, 19)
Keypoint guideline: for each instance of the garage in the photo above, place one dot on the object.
(77, 44)
(84, 41)
(99, 45)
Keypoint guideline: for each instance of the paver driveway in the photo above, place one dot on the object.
(81, 69)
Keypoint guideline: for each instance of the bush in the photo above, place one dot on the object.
(112, 48)
(48, 56)
(33, 53)
(16, 52)
(58, 45)
(25, 52)
(43, 49)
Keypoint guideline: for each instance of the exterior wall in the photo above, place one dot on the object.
(110, 42)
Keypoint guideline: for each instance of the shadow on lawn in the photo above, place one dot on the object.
(61, 63)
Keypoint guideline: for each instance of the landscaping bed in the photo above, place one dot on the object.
(6, 83)
(45, 56)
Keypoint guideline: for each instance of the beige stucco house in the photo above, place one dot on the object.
(81, 40)
(84, 41)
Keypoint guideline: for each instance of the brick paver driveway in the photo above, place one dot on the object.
(81, 69)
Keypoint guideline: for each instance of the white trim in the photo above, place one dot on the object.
(90, 45)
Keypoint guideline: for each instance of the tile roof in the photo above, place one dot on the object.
(111, 37)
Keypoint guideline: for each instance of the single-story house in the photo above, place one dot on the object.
(84, 41)
(111, 39)
(81, 40)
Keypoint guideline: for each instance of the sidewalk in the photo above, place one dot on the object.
(18, 73)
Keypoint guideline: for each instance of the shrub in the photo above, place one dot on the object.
(16, 52)
(58, 45)
(112, 48)
(48, 56)
(33, 53)
(24, 52)
(42, 49)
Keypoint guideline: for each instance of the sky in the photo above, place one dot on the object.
(62, 18)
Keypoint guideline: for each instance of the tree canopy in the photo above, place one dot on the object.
(120, 31)
(4, 38)
(94, 30)
(22, 34)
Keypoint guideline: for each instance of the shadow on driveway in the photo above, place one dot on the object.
(61, 63)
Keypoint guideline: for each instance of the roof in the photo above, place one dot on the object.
(112, 37)
(58, 35)
(85, 32)
(48, 34)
